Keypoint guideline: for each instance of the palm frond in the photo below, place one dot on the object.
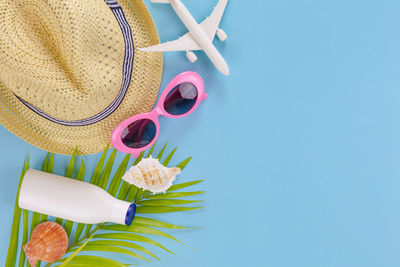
(71, 257)
(114, 249)
(25, 221)
(107, 237)
(132, 237)
(183, 164)
(105, 175)
(71, 164)
(36, 218)
(150, 153)
(159, 156)
(80, 261)
(140, 229)
(169, 157)
(155, 223)
(175, 195)
(97, 171)
(80, 177)
(13, 246)
(167, 202)
(116, 181)
(125, 244)
(163, 209)
(183, 185)
(50, 165)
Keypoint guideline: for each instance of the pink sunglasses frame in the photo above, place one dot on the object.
(191, 77)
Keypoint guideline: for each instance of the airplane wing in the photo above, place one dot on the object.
(185, 43)
(210, 25)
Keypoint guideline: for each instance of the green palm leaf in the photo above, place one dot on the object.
(166, 202)
(46, 162)
(140, 229)
(183, 185)
(97, 171)
(110, 248)
(50, 166)
(133, 192)
(116, 181)
(155, 223)
(105, 176)
(71, 257)
(169, 157)
(175, 195)
(131, 237)
(159, 156)
(112, 238)
(167, 209)
(68, 227)
(125, 244)
(151, 150)
(124, 191)
(71, 164)
(12, 248)
(138, 159)
(184, 163)
(81, 172)
(25, 220)
(94, 261)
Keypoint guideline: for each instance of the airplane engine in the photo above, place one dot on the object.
(221, 35)
(191, 56)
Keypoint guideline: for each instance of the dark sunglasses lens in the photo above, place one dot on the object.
(139, 133)
(181, 99)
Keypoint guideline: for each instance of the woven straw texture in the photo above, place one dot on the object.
(65, 57)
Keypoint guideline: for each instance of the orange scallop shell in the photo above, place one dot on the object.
(49, 242)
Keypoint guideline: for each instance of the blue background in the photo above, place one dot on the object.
(299, 146)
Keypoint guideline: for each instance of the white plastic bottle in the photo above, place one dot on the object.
(72, 200)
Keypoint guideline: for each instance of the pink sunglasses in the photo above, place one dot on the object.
(180, 98)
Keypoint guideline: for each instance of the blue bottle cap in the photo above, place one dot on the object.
(130, 214)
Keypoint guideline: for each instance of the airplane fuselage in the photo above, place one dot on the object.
(200, 36)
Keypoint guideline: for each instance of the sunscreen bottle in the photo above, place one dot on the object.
(72, 200)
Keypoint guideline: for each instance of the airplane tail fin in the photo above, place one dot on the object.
(160, 1)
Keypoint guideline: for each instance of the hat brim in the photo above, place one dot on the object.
(140, 98)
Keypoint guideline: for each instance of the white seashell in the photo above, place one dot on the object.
(150, 174)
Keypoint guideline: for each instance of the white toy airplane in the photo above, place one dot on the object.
(199, 37)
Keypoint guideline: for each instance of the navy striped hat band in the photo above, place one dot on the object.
(126, 76)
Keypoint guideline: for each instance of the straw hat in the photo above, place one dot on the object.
(70, 71)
